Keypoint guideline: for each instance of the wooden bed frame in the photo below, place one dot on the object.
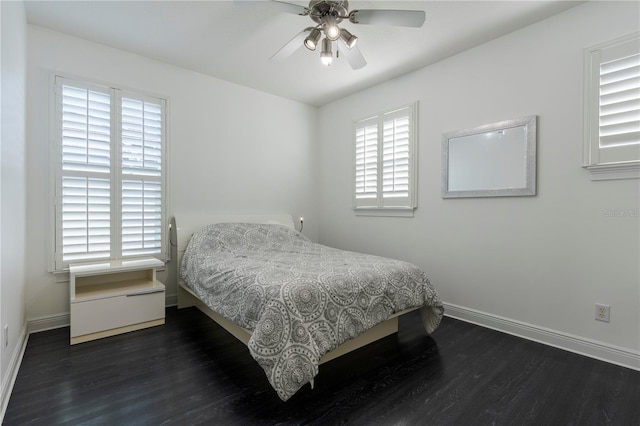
(191, 222)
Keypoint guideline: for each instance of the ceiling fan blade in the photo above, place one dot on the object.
(353, 55)
(280, 6)
(294, 44)
(403, 18)
(290, 7)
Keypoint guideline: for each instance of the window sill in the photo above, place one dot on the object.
(384, 211)
(628, 170)
(61, 276)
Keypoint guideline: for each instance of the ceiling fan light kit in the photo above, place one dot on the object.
(327, 14)
(326, 56)
(331, 28)
(347, 38)
(311, 42)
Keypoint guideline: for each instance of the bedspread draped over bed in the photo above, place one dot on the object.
(300, 299)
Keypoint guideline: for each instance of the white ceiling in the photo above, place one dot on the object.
(234, 42)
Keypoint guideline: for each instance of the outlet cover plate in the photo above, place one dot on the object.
(603, 312)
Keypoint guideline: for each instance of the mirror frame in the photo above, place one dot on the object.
(530, 125)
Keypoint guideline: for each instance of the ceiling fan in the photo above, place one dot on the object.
(327, 14)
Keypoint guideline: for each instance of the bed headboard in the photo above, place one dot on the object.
(183, 225)
(186, 224)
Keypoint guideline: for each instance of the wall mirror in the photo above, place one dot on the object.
(493, 160)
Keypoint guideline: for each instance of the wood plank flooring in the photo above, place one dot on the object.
(191, 372)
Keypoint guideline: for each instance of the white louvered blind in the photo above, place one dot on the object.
(612, 108)
(395, 157)
(620, 102)
(109, 186)
(367, 161)
(142, 132)
(85, 185)
(384, 162)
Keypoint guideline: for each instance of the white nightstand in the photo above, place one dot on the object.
(114, 297)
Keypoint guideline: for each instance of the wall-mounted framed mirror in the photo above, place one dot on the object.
(493, 160)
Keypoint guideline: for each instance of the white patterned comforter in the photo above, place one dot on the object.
(300, 299)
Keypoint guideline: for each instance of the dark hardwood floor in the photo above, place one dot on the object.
(190, 371)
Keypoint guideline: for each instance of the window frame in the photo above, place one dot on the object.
(116, 175)
(626, 165)
(379, 207)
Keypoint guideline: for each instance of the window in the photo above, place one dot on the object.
(612, 109)
(385, 146)
(110, 171)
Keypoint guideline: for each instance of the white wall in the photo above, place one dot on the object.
(534, 263)
(541, 262)
(232, 149)
(12, 190)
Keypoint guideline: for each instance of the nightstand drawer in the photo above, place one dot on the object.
(97, 315)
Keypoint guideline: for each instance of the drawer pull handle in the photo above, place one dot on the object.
(145, 293)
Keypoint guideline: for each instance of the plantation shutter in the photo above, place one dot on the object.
(84, 188)
(385, 163)
(612, 78)
(395, 158)
(142, 136)
(620, 101)
(110, 178)
(366, 163)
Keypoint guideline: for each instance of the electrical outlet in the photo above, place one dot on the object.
(602, 312)
(6, 335)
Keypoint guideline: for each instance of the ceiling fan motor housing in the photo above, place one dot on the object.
(319, 9)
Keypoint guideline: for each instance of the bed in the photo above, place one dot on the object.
(294, 303)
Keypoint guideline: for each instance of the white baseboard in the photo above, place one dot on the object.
(12, 372)
(48, 323)
(598, 350)
(602, 351)
(171, 300)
